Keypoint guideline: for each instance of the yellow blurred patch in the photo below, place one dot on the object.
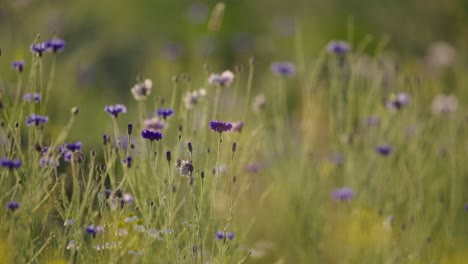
(5, 250)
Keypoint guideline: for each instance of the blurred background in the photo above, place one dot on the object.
(110, 42)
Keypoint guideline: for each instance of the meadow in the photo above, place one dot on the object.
(347, 151)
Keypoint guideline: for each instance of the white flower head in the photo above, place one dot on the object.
(224, 79)
(71, 245)
(141, 90)
(131, 218)
(154, 233)
(193, 98)
(155, 123)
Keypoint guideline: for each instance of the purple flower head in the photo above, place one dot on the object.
(13, 205)
(384, 150)
(32, 97)
(164, 112)
(55, 45)
(223, 79)
(91, 230)
(230, 235)
(237, 126)
(115, 110)
(151, 135)
(342, 194)
(67, 156)
(10, 164)
(283, 68)
(220, 126)
(338, 47)
(220, 235)
(18, 65)
(74, 146)
(36, 120)
(397, 101)
(466, 207)
(107, 193)
(39, 48)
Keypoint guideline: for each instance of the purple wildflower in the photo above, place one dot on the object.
(398, 101)
(220, 126)
(74, 146)
(10, 164)
(342, 194)
(164, 112)
(67, 156)
(39, 48)
(18, 65)
(338, 47)
(384, 150)
(283, 68)
(36, 120)
(55, 45)
(151, 135)
(115, 110)
(230, 236)
(13, 205)
(223, 79)
(220, 235)
(32, 97)
(91, 230)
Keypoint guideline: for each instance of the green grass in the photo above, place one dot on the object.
(408, 206)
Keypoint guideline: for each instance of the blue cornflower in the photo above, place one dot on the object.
(338, 47)
(220, 126)
(115, 110)
(67, 156)
(32, 97)
(39, 48)
(164, 112)
(91, 230)
(230, 235)
(384, 150)
(74, 146)
(13, 205)
(9, 163)
(18, 65)
(343, 194)
(283, 68)
(220, 235)
(151, 135)
(36, 120)
(55, 45)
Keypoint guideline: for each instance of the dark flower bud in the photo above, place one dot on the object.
(202, 174)
(104, 139)
(234, 147)
(234, 179)
(180, 128)
(190, 148)
(129, 129)
(93, 153)
(118, 193)
(168, 156)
